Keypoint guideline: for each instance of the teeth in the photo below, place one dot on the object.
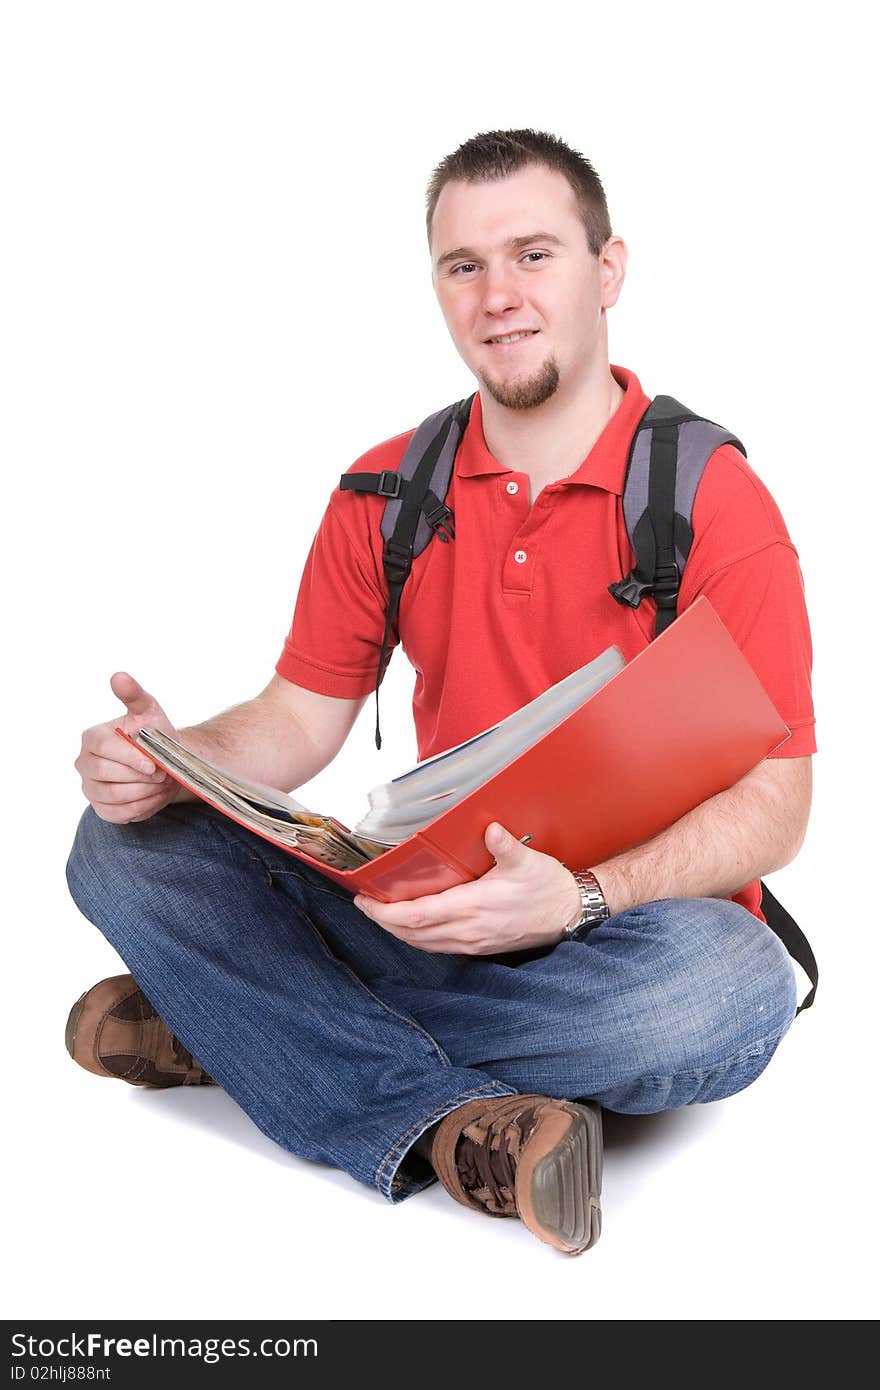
(512, 337)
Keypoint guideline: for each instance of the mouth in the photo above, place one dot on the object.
(510, 340)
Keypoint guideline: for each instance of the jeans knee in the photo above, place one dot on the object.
(107, 860)
(651, 1094)
(752, 985)
(722, 996)
(719, 945)
(86, 861)
(718, 986)
(694, 928)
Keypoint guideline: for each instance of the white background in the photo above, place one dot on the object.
(216, 295)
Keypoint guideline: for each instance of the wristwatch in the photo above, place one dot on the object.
(594, 908)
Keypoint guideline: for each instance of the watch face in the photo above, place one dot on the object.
(581, 930)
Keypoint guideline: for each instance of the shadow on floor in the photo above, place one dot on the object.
(630, 1140)
(669, 1128)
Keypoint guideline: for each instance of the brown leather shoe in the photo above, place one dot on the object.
(113, 1030)
(527, 1156)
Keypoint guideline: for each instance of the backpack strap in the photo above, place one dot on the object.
(667, 458)
(415, 510)
(793, 939)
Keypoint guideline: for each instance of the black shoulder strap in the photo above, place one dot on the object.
(668, 455)
(416, 509)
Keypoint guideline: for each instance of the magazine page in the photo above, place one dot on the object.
(263, 809)
(399, 808)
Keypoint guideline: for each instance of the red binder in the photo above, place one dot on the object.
(685, 719)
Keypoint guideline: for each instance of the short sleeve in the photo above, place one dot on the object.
(744, 563)
(335, 639)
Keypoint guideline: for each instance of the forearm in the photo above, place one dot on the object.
(259, 741)
(713, 851)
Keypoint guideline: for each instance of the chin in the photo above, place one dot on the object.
(524, 393)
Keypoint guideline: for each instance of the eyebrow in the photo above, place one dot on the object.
(513, 244)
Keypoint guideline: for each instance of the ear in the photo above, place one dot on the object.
(612, 269)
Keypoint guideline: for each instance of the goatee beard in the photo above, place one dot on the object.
(525, 395)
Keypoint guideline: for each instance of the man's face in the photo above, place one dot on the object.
(522, 262)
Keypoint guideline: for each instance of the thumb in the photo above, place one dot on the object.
(137, 701)
(500, 842)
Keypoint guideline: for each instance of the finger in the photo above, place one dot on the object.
(392, 915)
(424, 940)
(96, 769)
(125, 815)
(119, 794)
(104, 742)
(132, 694)
(428, 911)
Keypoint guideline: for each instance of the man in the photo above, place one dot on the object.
(467, 1035)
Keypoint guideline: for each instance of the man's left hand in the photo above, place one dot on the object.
(527, 899)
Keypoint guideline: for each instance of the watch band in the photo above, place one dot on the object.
(594, 908)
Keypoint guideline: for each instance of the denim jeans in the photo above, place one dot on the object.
(344, 1044)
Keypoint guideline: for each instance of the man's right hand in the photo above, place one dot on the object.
(123, 784)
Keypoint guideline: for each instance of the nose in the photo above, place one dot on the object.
(500, 289)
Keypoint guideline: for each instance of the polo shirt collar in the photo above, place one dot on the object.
(605, 464)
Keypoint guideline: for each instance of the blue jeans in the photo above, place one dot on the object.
(344, 1044)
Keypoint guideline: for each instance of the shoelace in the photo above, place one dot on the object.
(486, 1159)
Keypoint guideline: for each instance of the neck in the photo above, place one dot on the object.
(552, 440)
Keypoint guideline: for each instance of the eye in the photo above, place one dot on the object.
(469, 265)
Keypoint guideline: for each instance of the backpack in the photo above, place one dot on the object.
(668, 454)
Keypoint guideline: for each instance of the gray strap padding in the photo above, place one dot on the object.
(697, 441)
(440, 478)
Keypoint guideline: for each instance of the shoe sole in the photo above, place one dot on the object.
(558, 1189)
(72, 1021)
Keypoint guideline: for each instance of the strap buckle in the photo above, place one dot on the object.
(441, 520)
(666, 585)
(389, 483)
(397, 561)
(630, 590)
(664, 588)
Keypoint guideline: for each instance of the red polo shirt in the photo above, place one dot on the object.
(520, 598)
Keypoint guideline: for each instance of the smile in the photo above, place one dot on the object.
(508, 339)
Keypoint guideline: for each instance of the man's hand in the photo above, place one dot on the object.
(122, 784)
(526, 900)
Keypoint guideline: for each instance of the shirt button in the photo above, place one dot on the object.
(512, 488)
(520, 557)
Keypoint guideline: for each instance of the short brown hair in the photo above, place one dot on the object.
(495, 154)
